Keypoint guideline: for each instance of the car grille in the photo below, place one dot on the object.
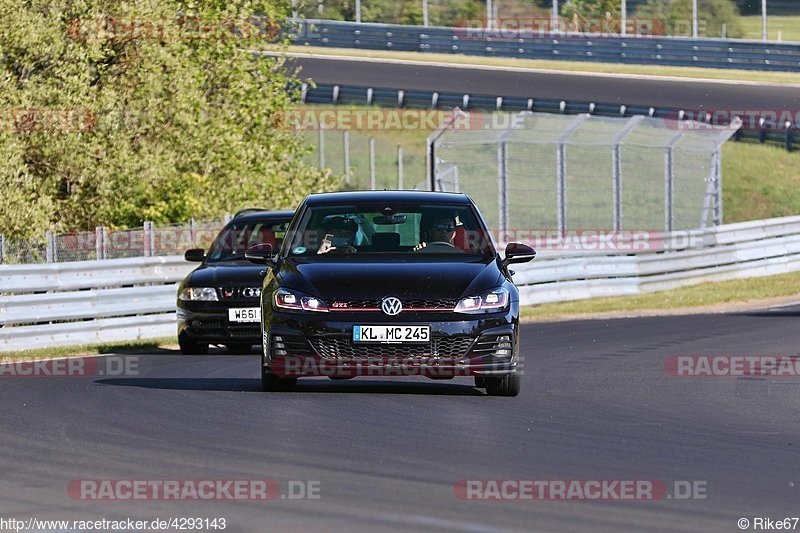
(435, 304)
(239, 294)
(224, 330)
(344, 348)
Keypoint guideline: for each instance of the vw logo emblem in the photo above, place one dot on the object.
(391, 306)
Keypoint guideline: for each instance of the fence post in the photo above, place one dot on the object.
(191, 230)
(372, 163)
(617, 168)
(49, 252)
(718, 187)
(399, 167)
(2, 248)
(321, 147)
(98, 242)
(502, 186)
(561, 171)
(669, 182)
(347, 156)
(148, 251)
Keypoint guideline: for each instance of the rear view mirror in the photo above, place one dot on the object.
(260, 254)
(387, 220)
(518, 253)
(197, 255)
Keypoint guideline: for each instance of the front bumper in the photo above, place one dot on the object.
(297, 345)
(209, 322)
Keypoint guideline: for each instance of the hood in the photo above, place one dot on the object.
(368, 279)
(227, 274)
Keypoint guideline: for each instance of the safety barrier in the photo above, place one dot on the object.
(127, 299)
(671, 51)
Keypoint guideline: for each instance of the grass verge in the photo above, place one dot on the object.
(144, 345)
(567, 66)
(788, 26)
(701, 297)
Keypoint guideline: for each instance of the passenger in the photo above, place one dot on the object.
(340, 236)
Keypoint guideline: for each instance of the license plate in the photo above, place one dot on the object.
(244, 314)
(391, 333)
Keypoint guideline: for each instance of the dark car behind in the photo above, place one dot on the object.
(219, 302)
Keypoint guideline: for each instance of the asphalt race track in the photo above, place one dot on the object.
(596, 403)
(559, 86)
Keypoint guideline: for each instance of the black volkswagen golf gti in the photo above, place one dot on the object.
(390, 283)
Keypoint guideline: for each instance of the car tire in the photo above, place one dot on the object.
(239, 348)
(190, 347)
(272, 383)
(508, 385)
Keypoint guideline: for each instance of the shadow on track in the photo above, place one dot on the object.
(303, 386)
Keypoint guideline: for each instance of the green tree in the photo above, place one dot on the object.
(172, 124)
(677, 16)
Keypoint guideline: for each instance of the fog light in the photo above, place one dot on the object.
(503, 346)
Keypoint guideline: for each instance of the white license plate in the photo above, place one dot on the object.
(391, 333)
(245, 314)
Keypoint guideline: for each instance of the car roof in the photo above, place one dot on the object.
(256, 216)
(387, 196)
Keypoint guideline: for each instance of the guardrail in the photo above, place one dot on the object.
(671, 51)
(747, 249)
(126, 299)
(332, 94)
(88, 302)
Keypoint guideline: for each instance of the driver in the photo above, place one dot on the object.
(441, 229)
(340, 235)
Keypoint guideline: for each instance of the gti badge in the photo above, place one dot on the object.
(391, 306)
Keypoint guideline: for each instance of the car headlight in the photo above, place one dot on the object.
(294, 301)
(198, 294)
(488, 302)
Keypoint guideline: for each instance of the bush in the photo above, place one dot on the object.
(167, 127)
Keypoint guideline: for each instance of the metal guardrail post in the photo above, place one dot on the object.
(2, 248)
(191, 230)
(372, 163)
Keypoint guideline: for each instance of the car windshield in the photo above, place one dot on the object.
(237, 237)
(390, 229)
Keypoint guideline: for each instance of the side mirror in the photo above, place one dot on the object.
(196, 255)
(518, 253)
(261, 254)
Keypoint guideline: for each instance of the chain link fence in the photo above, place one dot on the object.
(368, 162)
(104, 243)
(582, 172)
